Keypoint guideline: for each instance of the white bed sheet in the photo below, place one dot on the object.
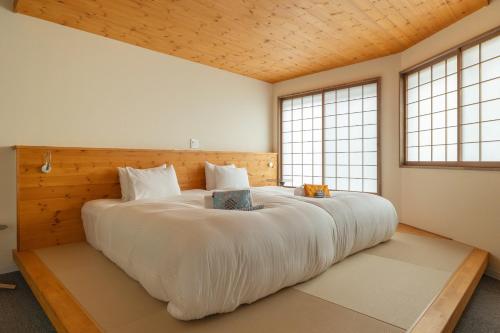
(91, 211)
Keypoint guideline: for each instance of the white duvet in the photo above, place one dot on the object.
(205, 261)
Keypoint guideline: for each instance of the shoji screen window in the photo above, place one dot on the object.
(301, 140)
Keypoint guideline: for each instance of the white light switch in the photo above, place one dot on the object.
(195, 143)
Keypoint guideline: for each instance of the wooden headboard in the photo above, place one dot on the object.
(48, 205)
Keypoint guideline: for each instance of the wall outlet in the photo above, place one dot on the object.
(194, 144)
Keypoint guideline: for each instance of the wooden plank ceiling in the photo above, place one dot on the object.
(270, 40)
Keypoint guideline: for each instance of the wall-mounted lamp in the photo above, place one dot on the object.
(47, 165)
(270, 164)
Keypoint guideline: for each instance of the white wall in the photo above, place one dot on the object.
(463, 205)
(65, 87)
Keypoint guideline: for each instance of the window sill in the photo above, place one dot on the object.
(485, 166)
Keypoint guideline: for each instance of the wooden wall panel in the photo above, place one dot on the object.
(49, 204)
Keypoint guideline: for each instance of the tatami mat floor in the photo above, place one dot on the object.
(21, 313)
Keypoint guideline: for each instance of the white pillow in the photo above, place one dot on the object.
(231, 178)
(210, 174)
(158, 183)
(125, 186)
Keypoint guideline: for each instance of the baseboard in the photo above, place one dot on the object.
(493, 274)
(8, 269)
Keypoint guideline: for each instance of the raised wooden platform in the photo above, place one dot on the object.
(67, 315)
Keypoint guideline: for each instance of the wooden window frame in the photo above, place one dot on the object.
(322, 91)
(457, 50)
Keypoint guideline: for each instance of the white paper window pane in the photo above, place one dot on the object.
(307, 180)
(370, 104)
(438, 70)
(490, 130)
(297, 114)
(438, 103)
(286, 126)
(356, 106)
(356, 145)
(369, 144)
(330, 97)
(439, 153)
(470, 114)
(287, 148)
(287, 170)
(451, 83)
(425, 154)
(451, 151)
(297, 170)
(307, 158)
(342, 95)
(370, 118)
(470, 56)
(470, 133)
(370, 131)
(342, 171)
(490, 48)
(439, 120)
(370, 158)
(297, 103)
(343, 133)
(425, 91)
(370, 90)
(356, 171)
(307, 124)
(317, 99)
(307, 136)
(370, 172)
(490, 151)
(342, 159)
(329, 134)
(412, 110)
(297, 158)
(470, 95)
(307, 170)
(342, 107)
(451, 65)
(317, 159)
(318, 134)
(307, 147)
(356, 185)
(451, 100)
(287, 104)
(297, 125)
(329, 109)
(425, 106)
(356, 132)
(356, 119)
(307, 113)
(317, 181)
(370, 185)
(451, 117)
(342, 184)
(330, 158)
(412, 139)
(317, 112)
(288, 181)
(451, 135)
(470, 152)
(330, 146)
(413, 124)
(297, 181)
(343, 146)
(425, 138)
(330, 171)
(356, 92)
(317, 170)
(307, 101)
(470, 76)
(317, 123)
(425, 75)
(287, 158)
(356, 158)
(439, 87)
(317, 147)
(296, 136)
(286, 116)
(490, 110)
(439, 137)
(425, 122)
(331, 183)
(286, 137)
(412, 154)
(490, 90)
(490, 69)
(342, 120)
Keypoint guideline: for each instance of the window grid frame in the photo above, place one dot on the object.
(459, 164)
(323, 91)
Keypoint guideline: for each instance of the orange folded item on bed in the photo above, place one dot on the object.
(310, 190)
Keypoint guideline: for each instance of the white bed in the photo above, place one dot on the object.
(206, 261)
